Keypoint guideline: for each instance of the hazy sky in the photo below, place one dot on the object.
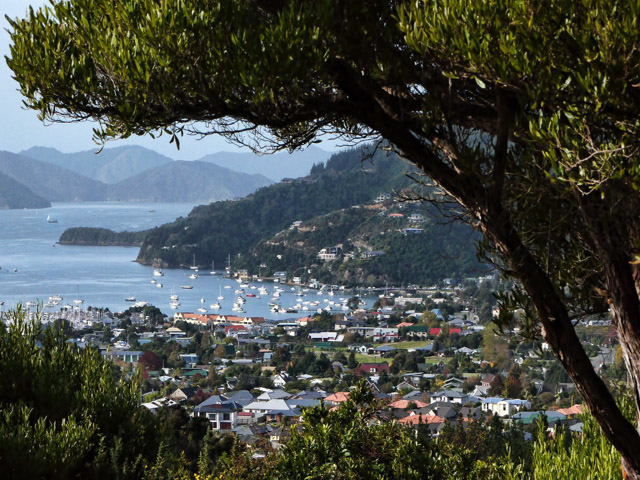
(20, 128)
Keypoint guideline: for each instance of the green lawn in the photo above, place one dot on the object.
(360, 358)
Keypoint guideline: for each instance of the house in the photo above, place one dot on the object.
(572, 411)
(411, 231)
(527, 418)
(360, 348)
(243, 397)
(487, 380)
(273, 410)
(371, 368)
(480, 391)
(384, 349)
(372, 254)
(129, 356)
(280, 380)
(415, 420)
(337, 398)
(220, 411)
(417, 331)
(404, 404)
(324, 336)
(504, 407)
(453, 382)
(276, 394)
(466, 351)
(416, 217)
(184, 393)
(451, 396)
(190, 359)
(329, 254)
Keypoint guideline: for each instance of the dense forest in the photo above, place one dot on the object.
(441, 248)
(100, 237)
(212, 232)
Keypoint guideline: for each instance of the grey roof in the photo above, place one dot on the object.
(303, 402)
(414, 395)
(243, 397)
(274, 394)
(310, 395)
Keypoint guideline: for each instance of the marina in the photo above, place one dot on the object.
(109, 277)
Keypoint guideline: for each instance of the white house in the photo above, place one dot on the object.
(504, 407)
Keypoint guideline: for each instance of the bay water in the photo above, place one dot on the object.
(33, 266)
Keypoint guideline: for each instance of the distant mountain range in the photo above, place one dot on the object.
(111, 165)
(181, 181)
(171, 181)
(56, 184)
(134, 173)
(14, 194)
(276, 167)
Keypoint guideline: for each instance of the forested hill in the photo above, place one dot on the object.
(382, 242)
(214, 231)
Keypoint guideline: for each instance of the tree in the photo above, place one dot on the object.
(150, 361)
(220, 351)
(496, 386)
(523, 116)
(58, 406)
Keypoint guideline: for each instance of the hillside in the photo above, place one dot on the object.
(16, 195)
(276, 166)
(111, 165)
(100, 237)
(230, 228)
(373, 248)
(181, 181)
(54, 183)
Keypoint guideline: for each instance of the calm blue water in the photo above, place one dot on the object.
(105, 276)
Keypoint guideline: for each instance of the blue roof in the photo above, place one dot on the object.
(492, 400)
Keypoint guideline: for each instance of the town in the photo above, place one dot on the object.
(433, 358)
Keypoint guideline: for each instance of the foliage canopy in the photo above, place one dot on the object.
(524, 113)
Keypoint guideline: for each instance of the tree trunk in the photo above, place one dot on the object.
(561, 336)
(612, 230)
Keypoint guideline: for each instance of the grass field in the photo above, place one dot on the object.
(360, 358)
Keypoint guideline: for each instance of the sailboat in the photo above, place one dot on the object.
(78, 300)
(220, 297)
(213, 270)
(50, 219)
(193, 265)
(228, 268)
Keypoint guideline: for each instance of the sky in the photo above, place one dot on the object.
(20, 128)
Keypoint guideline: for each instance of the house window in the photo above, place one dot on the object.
(226, 416)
